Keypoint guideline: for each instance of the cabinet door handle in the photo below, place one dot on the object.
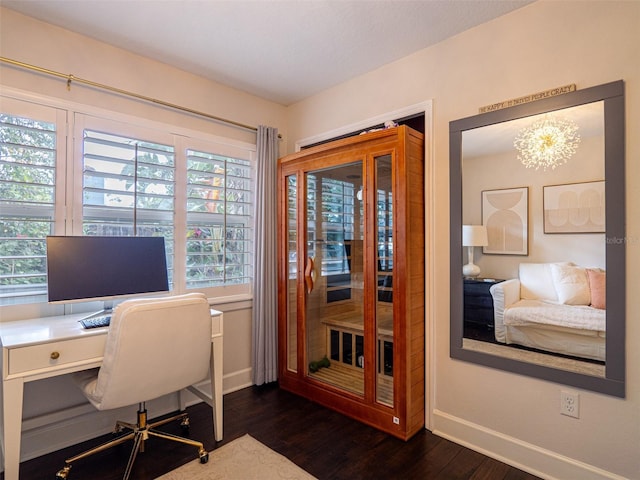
(309, 273)
(55, 355)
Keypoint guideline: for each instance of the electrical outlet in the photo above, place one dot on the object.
(570, 404)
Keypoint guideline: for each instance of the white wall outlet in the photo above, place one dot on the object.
(570, 404)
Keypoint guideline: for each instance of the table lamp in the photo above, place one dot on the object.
(473, 236)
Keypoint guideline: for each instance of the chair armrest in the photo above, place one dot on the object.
(504, 294)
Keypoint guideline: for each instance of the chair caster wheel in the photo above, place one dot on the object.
(204, 458)
(62, 474)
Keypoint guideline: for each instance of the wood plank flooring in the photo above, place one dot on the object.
(326, 444)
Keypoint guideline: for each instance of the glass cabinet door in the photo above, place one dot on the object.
(384, 300)
(334, 316)
(292, 272)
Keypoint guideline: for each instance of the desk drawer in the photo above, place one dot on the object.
(37, 357)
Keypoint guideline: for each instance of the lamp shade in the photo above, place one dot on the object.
(474, 236)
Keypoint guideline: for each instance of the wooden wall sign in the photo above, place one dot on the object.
(529, 98)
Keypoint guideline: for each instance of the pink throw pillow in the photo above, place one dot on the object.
(598, 287)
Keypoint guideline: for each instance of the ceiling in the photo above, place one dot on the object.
(280, 50)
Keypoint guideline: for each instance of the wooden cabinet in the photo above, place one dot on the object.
(351, 277)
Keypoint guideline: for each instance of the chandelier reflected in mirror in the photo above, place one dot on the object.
(547, 143)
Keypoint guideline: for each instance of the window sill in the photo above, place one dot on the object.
(228, 299)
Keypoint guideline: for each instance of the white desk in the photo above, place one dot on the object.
(51, 346)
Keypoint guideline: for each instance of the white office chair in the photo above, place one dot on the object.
(153, 347)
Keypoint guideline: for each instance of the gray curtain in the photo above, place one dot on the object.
(264, 348)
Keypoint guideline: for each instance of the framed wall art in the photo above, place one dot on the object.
(574, 208)
(505, 213)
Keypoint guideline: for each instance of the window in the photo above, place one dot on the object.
(29, 146)
(219, 220)
(123, 179)
(128, 188)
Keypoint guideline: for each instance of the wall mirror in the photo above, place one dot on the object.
(549, 301)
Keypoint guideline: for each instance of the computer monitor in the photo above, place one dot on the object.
(88, 268)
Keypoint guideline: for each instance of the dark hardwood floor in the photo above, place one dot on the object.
(326, 444)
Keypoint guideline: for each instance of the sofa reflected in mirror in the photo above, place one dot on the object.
(556, 308)
(550, 302)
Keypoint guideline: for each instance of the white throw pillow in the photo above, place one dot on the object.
(536, 282)
(571, 284)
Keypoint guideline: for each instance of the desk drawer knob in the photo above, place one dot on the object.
(55, 355)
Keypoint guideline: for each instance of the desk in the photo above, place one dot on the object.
(47, 347)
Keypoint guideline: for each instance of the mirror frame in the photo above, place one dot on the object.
(613, 382)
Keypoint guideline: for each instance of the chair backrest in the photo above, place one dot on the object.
(154, 347)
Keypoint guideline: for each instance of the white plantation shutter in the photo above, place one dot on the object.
(30, 138)
(128, 188)
(219, 219)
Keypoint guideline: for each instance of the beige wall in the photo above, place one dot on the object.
(541, 46)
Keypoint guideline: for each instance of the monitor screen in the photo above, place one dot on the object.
(101, 268)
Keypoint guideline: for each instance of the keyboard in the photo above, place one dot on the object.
(96, 322)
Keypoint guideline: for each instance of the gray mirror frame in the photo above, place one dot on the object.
(613, 382)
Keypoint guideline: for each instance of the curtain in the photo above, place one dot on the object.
(264, 348)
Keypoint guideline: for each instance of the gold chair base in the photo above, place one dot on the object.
(139, 433)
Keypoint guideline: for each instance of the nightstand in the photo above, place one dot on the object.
(478, 303)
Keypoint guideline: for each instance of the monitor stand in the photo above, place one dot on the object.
(107, 309)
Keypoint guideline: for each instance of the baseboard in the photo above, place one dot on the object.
(530, 458)
(237, 380)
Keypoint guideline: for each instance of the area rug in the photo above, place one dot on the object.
(243, 459)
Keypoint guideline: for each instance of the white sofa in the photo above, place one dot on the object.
(556, 307)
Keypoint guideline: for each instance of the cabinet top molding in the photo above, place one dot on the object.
(528, 98)
(353, 141)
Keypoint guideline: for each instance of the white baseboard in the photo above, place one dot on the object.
(531, 458)
(237, 380)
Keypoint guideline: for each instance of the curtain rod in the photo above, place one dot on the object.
(71, 78)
